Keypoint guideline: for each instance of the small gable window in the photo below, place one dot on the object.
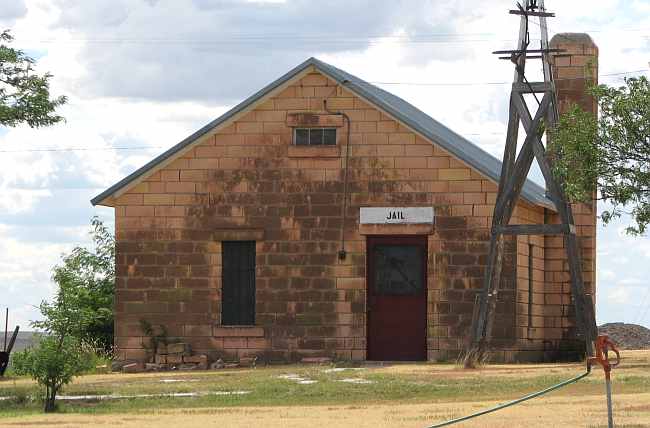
(314, 136)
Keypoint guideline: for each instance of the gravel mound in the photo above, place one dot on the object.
(627, 336)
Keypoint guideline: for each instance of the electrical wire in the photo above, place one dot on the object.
(58, 189)
(79, 149)
(620, 73)
(329, 41)
(256, 37)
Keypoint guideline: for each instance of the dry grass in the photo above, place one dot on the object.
(632, 410)
(404, 395)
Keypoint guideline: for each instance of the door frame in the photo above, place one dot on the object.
(423, 240)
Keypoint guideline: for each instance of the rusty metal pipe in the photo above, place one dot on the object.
(610, 416)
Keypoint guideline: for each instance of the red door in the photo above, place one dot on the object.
(397, 298)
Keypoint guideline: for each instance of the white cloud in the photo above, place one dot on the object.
(606, 274)
(143, 50)
(620, 295)
(12, 10)
(16, 201)
(25, 270)
(641, 6)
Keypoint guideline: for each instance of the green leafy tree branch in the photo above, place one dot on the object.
(86, 281)
(24, 95)
(608, 157)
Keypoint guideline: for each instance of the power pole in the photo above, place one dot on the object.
(513, 175)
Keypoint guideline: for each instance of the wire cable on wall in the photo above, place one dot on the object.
(342, 252)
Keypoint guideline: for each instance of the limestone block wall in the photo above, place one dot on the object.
(246, 181)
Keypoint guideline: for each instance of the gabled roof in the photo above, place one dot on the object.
(401, 110)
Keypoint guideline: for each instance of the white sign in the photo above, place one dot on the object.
(396, 215)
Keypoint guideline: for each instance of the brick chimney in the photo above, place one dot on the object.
(573, 71)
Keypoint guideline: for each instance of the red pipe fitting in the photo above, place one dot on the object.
(603, 346)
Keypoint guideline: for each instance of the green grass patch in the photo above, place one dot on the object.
(267, 388)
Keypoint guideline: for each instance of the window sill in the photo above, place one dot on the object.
(237, 331)
(314, 151)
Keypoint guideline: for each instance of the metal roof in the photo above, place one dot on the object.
(401, 110)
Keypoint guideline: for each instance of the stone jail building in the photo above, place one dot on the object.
(324, 216)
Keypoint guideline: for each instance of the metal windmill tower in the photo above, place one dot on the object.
(513, 174)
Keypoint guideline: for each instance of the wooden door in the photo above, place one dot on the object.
(397, 298)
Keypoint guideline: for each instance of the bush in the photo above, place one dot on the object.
(83, 305)
(53, 363)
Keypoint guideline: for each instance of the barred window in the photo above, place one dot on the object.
(238, 283)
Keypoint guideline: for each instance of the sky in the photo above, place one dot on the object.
(142, 75)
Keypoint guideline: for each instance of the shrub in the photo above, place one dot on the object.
(52, 363)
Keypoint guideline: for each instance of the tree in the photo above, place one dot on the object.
(78, 319)
(608, 157)
(24, 95)
(53, 362)
(83, 306)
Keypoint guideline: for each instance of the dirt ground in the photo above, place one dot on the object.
(578, 405)
(632, 410)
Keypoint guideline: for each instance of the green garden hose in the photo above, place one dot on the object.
(513, 402)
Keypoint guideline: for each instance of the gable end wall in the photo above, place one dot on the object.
(247, 182)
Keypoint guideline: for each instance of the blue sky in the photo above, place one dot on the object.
(142, 75)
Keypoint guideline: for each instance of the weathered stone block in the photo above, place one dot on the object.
(133, 368)
(179, 348)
